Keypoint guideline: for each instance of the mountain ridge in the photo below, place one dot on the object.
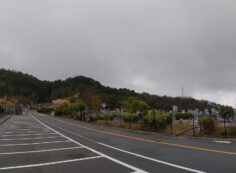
(18, 84)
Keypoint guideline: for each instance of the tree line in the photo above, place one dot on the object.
(28, 88)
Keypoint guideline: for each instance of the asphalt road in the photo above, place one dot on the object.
(37, 143)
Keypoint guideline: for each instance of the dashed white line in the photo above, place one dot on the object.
(223, 142)
(35, 143)
(50, 163)
(40, 151)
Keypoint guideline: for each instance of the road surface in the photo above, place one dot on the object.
(37, 143)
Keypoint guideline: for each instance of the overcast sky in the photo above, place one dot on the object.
(155, 46)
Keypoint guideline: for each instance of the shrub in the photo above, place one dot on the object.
(45, 109)
(76, 116)
(207, 125)
(148, 118)
(213, 116)
(128, 117)
(101, 117)
(106, 116)
(64, 109)
(111, 117)
(78, 106)
(232, 131)
(92, 119)
(183, 116)
(163, 120)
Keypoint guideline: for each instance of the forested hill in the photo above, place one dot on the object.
(29, 88)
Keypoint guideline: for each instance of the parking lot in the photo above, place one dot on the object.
(28, 145)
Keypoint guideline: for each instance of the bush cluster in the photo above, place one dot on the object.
(64, 109)
(231, 130)
(207, 125)
(183, 116)
(149, 118)
(129, 117)
(45, 109)
(110, 117)
(163, 120)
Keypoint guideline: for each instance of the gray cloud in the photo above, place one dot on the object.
(156, 46)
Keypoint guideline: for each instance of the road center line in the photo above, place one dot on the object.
(97, 152)
(50, 163)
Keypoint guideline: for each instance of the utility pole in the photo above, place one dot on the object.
(182, 89)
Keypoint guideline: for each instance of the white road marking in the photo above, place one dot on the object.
(20, 129)
(35, 143)
(40, 151)
(37, 134)
(152, 159)
(148, 158)
(23, 124)
(26, 129)
(50, 163)
(28, 132)
(223, 142)
(15, 139)
(27, 126)
(97, 152)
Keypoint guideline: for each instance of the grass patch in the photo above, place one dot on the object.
(177, 129)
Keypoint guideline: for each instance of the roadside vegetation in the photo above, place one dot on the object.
(138, 115)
